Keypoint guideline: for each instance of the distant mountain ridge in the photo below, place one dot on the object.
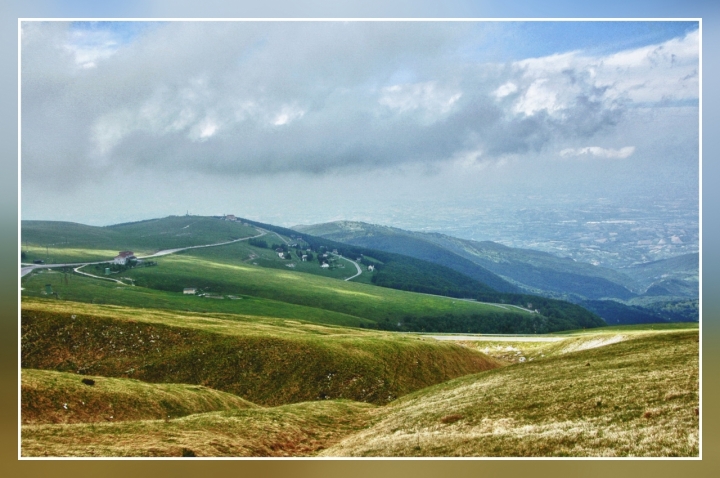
(531, 271)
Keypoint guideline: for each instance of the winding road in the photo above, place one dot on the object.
(496, 338)
(28, 268)
(357, 266)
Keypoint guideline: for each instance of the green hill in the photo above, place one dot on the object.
(624, 391)
(266, 361)
(400, 242)
(679, 274)
(230, 273)
(378, 304)
(59, 242)
(57, 397)
(534, 271)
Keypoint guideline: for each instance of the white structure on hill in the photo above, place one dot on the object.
(123, 257)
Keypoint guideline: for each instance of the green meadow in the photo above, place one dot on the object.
(246, 288)
(173, 273)
(242, 253)
(265, 360)
(60, 242)
(76, 288)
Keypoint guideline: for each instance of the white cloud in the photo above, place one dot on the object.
(505, 90)
(648, 75)
(88, 47)
(536, 98)
(157, 101)
(207, 129)
(599, 152)
(426, 96)
(287, 115)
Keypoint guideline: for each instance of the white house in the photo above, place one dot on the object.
(304, 257)
(189, 290)
(325, 265)
(123, 257)
(371, 267)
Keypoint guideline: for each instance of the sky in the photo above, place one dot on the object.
(302, 122)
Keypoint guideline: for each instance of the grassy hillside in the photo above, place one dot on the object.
(266, 361)
(359, 300)
(58, 242)
(243, 254)
(423, 274)
(71, 287)
(636, 397)
(253, 290)
(400, 242)
(623, 391)
(300, 429)
(56, 397)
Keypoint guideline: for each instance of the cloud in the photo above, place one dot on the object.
(599, 152)
(505, 89)
(261, 98)
(425, 97)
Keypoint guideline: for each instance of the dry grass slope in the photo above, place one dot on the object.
(638, 397)
(56, 397)
(269, 361)
(292, 430)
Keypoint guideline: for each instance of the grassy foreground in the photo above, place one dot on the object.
(301, 429)
(56, 397)
(635, 397)
(265, 360)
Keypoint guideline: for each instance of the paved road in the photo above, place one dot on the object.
(28, 268)
(77, 269)
(172, 251)
(502, 306)
(357, 266)
(496, 338)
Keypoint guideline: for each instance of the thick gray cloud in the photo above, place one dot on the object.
(243, 99)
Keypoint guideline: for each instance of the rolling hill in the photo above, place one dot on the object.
(230, 270)
(532, 271)
(60, 242)
(616, 391)
(264, 360)
(273, 360)
(634, 294)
